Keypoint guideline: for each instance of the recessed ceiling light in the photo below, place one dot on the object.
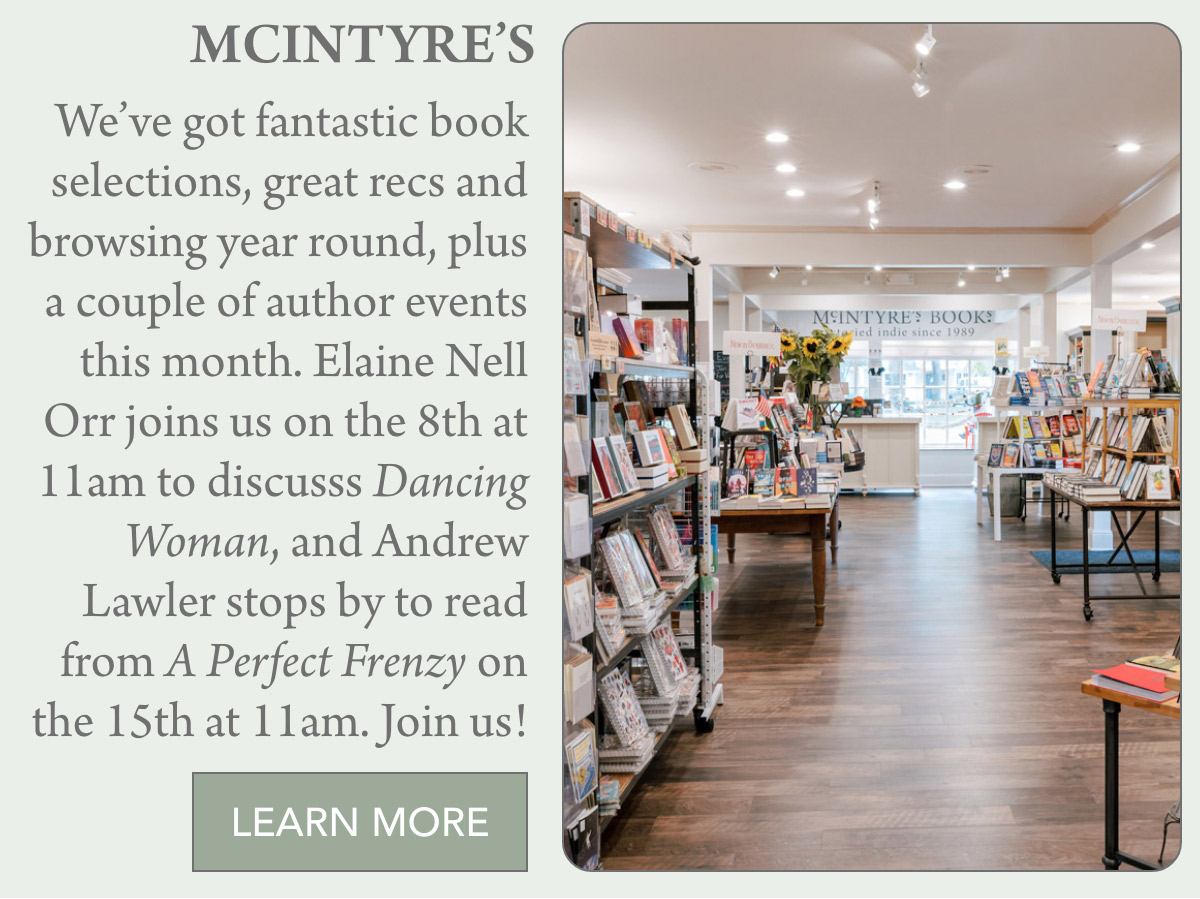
(785, 167)
(925, 44)
(1147, 245)
(970, 268)
(954, 185)
(777, 137)
(1129, 147)
(879, 268)
(795, 192)
(1145, 296)
(808, 268)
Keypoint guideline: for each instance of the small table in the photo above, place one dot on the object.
(991, 476)
(1113, 700)
(1113, 506)
(788, 521)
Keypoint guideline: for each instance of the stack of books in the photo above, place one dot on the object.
(1147, 681)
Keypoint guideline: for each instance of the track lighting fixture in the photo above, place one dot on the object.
(867, 280)
(1005, 271)
(873, 222)
(808, 268)
(920, 77)
(774, 272)
(925, 44)
(873, 206)
(999, 276)
(962, 279)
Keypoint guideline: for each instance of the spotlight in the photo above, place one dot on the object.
(954, 185)
(785, 168)
(1147, 245)
(808, 268)
(795, 192)
(1005, 271)
(999, 276)
(777, 137)
(774, 272)
(920, 77)
(879, 268)
(872, 205)
(970, 268)
(874, 222)
(925, 44)
(1128, 147)
(962, 279)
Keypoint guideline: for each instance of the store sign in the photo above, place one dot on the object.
(1119, 320)
(910, 324)
(752, 343)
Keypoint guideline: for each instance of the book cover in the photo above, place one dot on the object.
(648, 556)
(995, 455)
(577, 596)
(1158, 482)
(1070, 424)
(736, 483)
(1134, 680)
(1037, 427)
(806, 481)
(1035, 380)
(1027, 427)
(604, 469)
(631, 347)
(581, 762)
(1094, 380)
(1073, 386)
(754, 458)
(1023, 385)
(1012, 456)
(683, 427)
(1055, 425)
(620, 453)
(764, 482)
(650, 448)
(788, 480)
(574, 463)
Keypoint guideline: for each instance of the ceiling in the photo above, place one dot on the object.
(1042, 105)
(1141, 278)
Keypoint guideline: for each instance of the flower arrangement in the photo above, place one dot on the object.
(810, 358)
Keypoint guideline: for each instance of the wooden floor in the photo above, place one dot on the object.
(934, 723)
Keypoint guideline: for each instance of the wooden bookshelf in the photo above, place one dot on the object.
(1127, 409)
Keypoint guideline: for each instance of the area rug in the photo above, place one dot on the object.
(1070, 561)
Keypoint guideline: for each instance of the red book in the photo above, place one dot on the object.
(1135, 680)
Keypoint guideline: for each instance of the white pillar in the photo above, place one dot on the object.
(703, 279)
(1100, 536)
(1024, 321)
(1051, 338)
(737, 364)
(754, 319)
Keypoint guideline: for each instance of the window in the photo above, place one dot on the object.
(943, 392)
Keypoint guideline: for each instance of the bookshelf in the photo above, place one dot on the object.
(1109, 419)
(660, 515)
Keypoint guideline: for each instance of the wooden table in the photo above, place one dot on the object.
(1113, 700)
(1157, 507)
(787, 521)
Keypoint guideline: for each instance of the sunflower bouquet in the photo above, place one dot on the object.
(810, 358)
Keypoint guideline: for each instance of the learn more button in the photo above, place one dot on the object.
(358, 821)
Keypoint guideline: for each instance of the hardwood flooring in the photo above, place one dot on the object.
(934, 723)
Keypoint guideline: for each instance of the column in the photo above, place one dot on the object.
(703, 279)
(1100, 535)
(1051, 338)
(737, 364)
(1024, 322)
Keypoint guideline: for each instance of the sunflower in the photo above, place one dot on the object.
(811, 346)
(836, 347)
(787, 343)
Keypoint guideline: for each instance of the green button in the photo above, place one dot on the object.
(356, 821)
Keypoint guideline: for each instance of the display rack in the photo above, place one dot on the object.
(1126, 408)
(613, 245)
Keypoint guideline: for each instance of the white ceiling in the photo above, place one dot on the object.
(1044, 105)
(1141, 278)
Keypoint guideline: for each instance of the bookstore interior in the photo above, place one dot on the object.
(899, 306)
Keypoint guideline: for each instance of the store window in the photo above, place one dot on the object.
(945, 393)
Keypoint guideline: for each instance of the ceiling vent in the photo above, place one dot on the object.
(712, 168)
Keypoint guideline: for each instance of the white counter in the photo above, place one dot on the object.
(892, 448)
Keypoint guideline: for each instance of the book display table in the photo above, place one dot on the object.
(788, 521)
(1113, 700)
(1141, 507)
(990, 477)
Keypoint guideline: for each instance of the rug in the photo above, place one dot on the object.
(1070, 561)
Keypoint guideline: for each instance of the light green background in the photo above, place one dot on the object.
(103, 816)
(216, 847)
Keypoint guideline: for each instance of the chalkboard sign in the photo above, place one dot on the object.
(721, 373)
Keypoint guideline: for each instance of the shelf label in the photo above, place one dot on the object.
(601, 345)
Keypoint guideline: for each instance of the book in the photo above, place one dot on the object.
(787, 477)
(582, 763)
(574, 463)
(648, 445)
(1012, 456)
(1070, 424)
(576, 533)
(575, 292)
(806, 481)
(1158, 482)
(648, 556)
(736, 483)
(635, 391)
(995, 455)
(1166, 664)
(577, 597)
(683, 427)
(574, 376)
(1134, 680)
(579, 696)
(1094, 380)
(1023, 385)
(620, 452)
(631, 348)
(764, 482)
(1001, 388)
(1054, 423)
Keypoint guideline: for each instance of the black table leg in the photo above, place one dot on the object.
(1157, 568)
(1112, 712)
(1087, 596)
(1053, 544)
